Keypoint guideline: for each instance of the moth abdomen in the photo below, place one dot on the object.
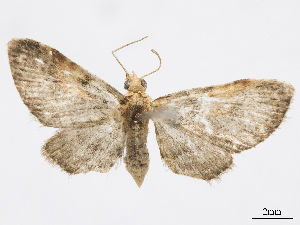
(137, 156)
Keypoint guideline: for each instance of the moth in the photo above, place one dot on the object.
(197, 130)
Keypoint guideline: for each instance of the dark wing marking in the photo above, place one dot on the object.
(57, 91)
(194, 126)
(95, 148)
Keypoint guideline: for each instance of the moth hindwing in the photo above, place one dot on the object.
(197, 130)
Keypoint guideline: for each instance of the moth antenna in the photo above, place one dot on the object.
(152, 50)
(113, 52)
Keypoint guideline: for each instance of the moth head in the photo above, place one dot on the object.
(135, 84)
(132, 82)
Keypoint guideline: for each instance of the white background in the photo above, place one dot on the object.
(201, 43)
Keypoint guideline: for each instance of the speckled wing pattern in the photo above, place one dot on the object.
(197, 130)
(62, 94)
(80, 150)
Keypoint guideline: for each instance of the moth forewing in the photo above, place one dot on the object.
(57, 91)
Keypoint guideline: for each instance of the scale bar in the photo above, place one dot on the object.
(265, 218)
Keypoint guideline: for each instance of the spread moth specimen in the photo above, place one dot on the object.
(197, 130)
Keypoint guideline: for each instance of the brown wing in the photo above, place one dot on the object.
(81, 150)
(57, 91)
(62, 94)
(198, 129)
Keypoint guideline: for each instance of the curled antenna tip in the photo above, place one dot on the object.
(152, 50)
